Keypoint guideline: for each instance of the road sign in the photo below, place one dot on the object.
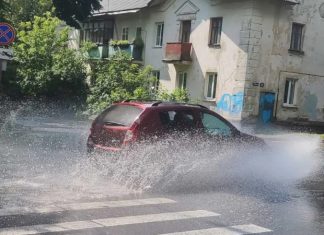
(6, 54)
(7, 34)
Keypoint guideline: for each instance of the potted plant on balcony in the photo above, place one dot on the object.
(119, 45)
(138, 48)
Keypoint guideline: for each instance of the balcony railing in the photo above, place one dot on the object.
(178, 52)
(107, 51)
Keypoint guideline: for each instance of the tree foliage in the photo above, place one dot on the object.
(117, 80)
(178, 95)
(3, 9)
(18, 11)
(46, 66)
(75, 11)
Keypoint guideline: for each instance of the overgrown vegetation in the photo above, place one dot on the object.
(117, 80)
(18, 11)
(119, 43)
(73, 12)
(178, 95)
(46, 65)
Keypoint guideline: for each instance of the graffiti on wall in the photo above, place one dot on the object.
(232, 104)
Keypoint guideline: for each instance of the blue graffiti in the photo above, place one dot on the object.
(232, 104)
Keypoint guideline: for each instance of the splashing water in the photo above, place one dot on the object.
(44, 162)
(195, 166)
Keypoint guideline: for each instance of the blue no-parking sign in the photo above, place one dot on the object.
(7, 34)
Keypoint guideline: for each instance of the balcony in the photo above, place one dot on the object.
(98, 53)
(178, 53)
(107, 51)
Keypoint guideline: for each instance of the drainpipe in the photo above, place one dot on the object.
(278, 90)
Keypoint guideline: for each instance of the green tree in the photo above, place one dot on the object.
(46, 66)
(3, 10)
(117, 80)
(75, 11)
(18, 11)
(178, 95)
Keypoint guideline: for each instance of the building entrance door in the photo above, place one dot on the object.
(267, 103)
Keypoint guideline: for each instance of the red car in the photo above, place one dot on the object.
(133, 121)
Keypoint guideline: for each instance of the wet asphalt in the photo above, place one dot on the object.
(44, 165)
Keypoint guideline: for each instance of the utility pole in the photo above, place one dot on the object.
(1, 76)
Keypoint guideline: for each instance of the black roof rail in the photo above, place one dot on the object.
(129, 100)
(171, 102)
(156, 103)
(199, 105)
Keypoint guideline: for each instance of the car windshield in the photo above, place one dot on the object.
(120, 115)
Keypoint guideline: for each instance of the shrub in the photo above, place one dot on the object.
(116, 80)
(46, 66)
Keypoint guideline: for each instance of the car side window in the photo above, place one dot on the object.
(215, 126)
(179, 120)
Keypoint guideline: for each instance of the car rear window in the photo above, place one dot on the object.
(120, 115)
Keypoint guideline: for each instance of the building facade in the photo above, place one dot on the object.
(243, 58)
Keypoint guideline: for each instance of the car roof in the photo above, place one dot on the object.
(156, 103)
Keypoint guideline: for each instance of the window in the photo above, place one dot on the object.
(297, 37)
(215, 31)
(159, 34)
(211, 84)
(180, 120)
(120, 115)
(156, 75)
(185, 31)
(290, 92)
(139, 32)
(125, 34)
(100, 32)
(215, 126)
(182, 80)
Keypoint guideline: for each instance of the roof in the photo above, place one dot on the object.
(293, 2)
(123, 6)
(113, 7)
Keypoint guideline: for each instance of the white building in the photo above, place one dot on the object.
(246, 58)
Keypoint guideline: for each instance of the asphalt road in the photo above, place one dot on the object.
(48, 185)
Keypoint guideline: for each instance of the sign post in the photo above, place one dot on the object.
(7, 37)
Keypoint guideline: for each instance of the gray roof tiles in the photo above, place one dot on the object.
(123, 5)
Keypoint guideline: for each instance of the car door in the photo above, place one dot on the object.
(177, 121)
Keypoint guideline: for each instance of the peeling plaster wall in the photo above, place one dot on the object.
(277, 63)
(309, 98)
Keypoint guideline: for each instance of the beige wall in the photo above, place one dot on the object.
(228, 61)
(254, 49)
(277, 63)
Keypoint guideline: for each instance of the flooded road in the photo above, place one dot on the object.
(47, 180)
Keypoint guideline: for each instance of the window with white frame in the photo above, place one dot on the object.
(211, 85)
(125, 33)
(182, 80)
(159, 34)
(156, 75)
(290, 92)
